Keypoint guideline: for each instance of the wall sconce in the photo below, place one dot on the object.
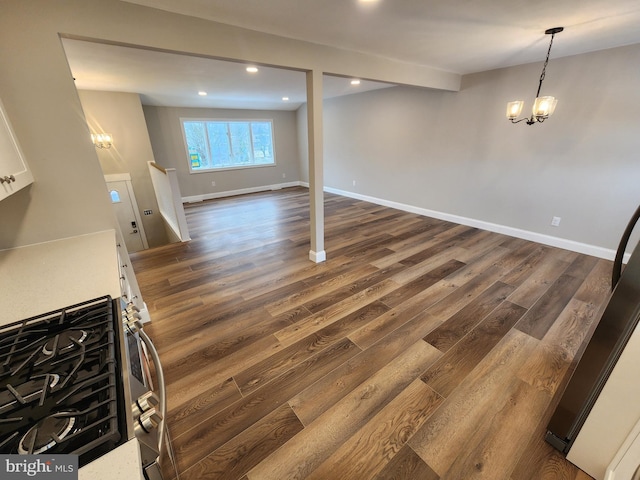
(102, 140)
(543, 106)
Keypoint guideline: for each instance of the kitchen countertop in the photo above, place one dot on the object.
(44, 277)
(118, 464)
(40, 278)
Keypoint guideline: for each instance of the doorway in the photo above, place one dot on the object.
(125, 207)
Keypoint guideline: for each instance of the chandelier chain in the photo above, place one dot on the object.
(544, 68)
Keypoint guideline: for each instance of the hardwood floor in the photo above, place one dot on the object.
(420, 349)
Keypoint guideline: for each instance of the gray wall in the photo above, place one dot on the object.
(167, 140)
(68, 196)
(120, 114)
(456, 153)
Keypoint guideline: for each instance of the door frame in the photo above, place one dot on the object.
(126, 177)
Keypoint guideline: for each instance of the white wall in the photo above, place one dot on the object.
(165, 131)
(456, 153)
(120, 114)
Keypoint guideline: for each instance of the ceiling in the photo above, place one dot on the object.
(460, 36)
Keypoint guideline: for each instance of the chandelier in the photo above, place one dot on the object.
(543, 106)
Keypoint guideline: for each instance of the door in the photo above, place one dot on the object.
(126, 209)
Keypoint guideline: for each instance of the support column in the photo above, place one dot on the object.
(316, 177)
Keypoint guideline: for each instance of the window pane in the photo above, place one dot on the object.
(240, 142)
(194, 134)
(216, 144)
(219, 142)
(262, 142)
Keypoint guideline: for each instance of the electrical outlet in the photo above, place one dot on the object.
(555, 221)
(213, 184)
(284, 175)
(147, 212)
(354, 183)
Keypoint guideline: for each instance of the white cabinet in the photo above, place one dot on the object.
(14, 172)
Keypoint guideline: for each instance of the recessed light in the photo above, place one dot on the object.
(355, 81)
(252, 69)
(285, 99)
(202, 94)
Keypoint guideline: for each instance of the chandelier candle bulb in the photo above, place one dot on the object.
(514, 109)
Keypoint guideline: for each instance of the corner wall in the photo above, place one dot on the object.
(167, 140)
(457, 154)
(120, 114)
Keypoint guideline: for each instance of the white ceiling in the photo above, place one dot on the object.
(460, 36)
(174, 80)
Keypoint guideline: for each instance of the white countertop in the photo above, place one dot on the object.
(41, 278)
(119, 464)
(47, 276)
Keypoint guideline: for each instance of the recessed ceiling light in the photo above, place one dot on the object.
(202, 94)
(252, 69)
(285, 99)
(355, 81)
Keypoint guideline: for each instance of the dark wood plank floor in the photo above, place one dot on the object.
(420, 349)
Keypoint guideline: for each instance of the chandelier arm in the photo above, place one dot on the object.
(521, 120)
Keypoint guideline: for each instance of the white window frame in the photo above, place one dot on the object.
(227, 121)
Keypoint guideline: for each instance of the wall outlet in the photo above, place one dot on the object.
(555, 221)
(284, 175)
(354, 183)
(213, 184)
(147, 212)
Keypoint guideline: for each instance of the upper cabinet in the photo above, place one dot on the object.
(14, 171)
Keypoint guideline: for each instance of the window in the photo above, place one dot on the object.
(215, 144)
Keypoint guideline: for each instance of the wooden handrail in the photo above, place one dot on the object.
(154, 164)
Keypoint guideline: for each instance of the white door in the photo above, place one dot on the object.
(126, 213)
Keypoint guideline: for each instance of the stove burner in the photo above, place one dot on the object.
(47, 433)
(65, 340)
(27, 392)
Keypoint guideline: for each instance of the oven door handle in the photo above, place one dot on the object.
(162, 390)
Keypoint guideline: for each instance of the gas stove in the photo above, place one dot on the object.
(60, 386)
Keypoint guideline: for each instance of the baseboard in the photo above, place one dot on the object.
(242, 191)
(600, 252)
(571, 245)
(317, 257)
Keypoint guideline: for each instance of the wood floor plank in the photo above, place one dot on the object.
(201, 407)
(498, 438)
(258, 374)
(451, 369)
(406, 465)
(537, 321)
(449, 431)
(242, 414)
(313, 401)
(367, 452)
(243, 452)
(329, 431)
(331, 314)
(241, 309)
(462, 322)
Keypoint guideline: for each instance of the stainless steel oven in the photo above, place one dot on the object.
(146, 420)
(79, 381)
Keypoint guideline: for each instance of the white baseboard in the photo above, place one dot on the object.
(600, 252)
(317, 257)
(571, 245)
(242, 191)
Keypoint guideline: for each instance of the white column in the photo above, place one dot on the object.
(316, 178)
